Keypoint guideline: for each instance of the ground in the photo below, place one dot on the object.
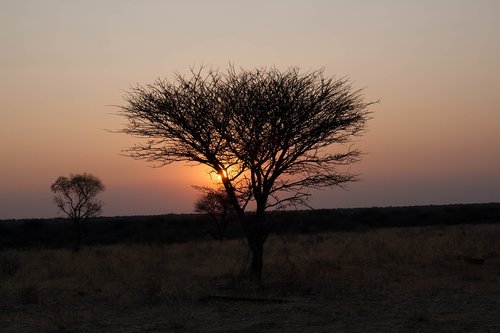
(434, 279)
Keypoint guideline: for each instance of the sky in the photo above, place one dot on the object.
(65, 65)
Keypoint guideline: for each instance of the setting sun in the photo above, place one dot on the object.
(221, 175)
(423, 64)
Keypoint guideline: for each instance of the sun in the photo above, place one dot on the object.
(218, 176)
(222, 175)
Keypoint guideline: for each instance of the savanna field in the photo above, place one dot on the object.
(249, 166)
(439, 278)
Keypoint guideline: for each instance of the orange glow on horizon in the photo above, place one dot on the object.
(433, 137)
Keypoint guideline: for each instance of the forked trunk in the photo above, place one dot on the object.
(254, 232)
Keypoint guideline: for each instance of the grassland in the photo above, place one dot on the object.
(420, 279)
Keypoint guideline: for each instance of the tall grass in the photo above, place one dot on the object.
(329, 263)
(374, 259)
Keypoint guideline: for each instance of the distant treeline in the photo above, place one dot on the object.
(57, 233)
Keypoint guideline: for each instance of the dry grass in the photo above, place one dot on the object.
(152, 274)
(375, 258)
(62, 291)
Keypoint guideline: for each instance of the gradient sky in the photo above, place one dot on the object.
(434, 66)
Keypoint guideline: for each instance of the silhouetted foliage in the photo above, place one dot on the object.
(75, 197)
(166, 229)
(268, 134)
(215, 204)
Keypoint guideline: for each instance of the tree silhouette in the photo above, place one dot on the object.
(75, 197)
(268, 134)
(216, 205)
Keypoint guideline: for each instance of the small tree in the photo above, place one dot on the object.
(269, 135)
(216, 205)
(75, 197)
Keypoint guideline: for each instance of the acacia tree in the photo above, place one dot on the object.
(269, 134)
(75, 197)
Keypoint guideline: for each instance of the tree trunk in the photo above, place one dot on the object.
(257, 248)
(256, 237)
(78, 236)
